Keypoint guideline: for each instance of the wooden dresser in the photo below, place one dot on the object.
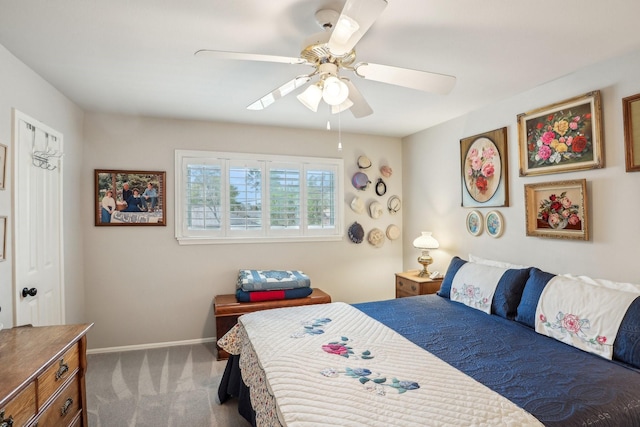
(42, 378)
(227, 310)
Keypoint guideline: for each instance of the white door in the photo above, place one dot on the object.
(37, 220)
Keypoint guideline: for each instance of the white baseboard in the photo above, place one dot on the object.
(149, 346)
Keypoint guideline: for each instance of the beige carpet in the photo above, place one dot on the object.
(164, 387)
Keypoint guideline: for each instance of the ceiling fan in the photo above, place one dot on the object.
(333, 50)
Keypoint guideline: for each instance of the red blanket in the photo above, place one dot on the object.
(252, 296)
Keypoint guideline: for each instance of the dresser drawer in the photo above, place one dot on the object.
(64, 409)
(21, 408)
(43, 379)
(406, 287)
(409, 284)
(57, 373)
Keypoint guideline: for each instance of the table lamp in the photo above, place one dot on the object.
(425, 242)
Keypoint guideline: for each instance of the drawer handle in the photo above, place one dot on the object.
(66, 406)
(64, 368)
(400, 283)
(5, 422)
(413, 287)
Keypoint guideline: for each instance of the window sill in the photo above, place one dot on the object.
(253, 240)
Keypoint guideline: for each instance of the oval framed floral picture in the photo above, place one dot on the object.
(484, 168)
(474, 223)
(494, 223)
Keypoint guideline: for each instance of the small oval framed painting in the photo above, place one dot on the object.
(474, 223)
(494, 224)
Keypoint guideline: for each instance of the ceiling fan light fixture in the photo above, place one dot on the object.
(334, 91)
(311, 97)
(342, 107)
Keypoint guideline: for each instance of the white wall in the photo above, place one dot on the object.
(22, 89)
(431, 161)
(142, 287)
(139, 286)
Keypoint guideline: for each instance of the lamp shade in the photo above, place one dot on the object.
(311, 97)
(426, 241)
(342, 107)
(335, 92)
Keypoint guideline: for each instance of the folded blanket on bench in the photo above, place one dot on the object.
(253, 296)
(263, 280)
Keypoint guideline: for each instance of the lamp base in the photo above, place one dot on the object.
(425, 260)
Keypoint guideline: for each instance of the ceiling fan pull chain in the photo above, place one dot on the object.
(339, 131)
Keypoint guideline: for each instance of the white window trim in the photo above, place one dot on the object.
(213, 237)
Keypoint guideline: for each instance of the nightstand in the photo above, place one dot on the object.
(409, 284)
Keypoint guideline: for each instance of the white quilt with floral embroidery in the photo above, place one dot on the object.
(582, 315)
(332, 365)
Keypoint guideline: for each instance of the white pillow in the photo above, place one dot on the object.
(501, 264)
(621, 286)
(475, 284)
(582, 315)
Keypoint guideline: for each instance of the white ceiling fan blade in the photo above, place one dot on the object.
(356, 18)
(414, 79)
(283, 90)
(360, 107)
(219, 54)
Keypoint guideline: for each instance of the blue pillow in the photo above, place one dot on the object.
(509, 292)
(626, 347)
(526, 313)
(454, 266)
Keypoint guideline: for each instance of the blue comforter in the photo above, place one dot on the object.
(558, 384)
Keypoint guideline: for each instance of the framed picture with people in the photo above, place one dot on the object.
(124, 197)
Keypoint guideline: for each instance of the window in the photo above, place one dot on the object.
(232, 197)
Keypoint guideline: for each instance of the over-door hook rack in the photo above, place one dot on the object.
(41, 158)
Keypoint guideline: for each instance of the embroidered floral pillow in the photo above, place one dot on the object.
(582, 315)
(475, 284)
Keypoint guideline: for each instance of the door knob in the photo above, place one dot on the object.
(29, 292)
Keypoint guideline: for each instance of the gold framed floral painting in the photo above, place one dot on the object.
(484, 168)
(557, 209)
(631, 116)
(563, 137)
(3, 165)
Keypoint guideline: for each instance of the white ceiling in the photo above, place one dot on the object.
(137, 56)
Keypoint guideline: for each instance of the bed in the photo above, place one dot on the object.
(438, 360)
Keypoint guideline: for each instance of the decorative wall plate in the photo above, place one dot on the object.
(474, 223)
(494, 223)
